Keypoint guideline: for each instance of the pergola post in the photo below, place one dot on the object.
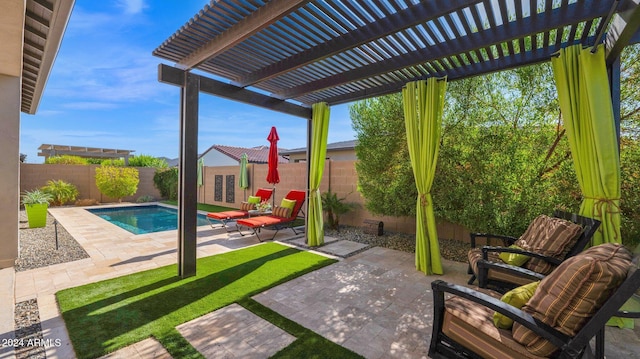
(613, 70)
(188, 176)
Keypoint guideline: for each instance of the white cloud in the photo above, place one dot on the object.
(132, 7)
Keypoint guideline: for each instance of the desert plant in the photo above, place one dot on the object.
(145, 198)
(35, 197)
(66, 160)
(61, 192)
(334, 207)
(36, 203)
(166, 181)
(117, 182)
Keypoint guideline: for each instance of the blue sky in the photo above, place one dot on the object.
(103, 89)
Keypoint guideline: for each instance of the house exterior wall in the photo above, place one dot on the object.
(214, 158)
(9, 169)
(34, 176)
(336, 155)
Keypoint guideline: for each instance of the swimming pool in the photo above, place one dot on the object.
(143, 219)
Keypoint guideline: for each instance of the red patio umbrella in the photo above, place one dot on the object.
(272, 176)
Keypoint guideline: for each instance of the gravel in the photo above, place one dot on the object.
(38, 245)
(28, 331)
(449, 249)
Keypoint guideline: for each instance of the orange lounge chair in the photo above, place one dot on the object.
(227, 216)
(274, 221)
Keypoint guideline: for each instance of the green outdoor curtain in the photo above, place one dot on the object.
(585, 102)
(200, 172)
(320, 128)
(423, 104)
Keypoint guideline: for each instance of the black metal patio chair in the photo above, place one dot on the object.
(547, 242)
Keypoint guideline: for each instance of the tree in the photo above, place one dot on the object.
(501, 147)
(385, 177)
(166, 181)
(117, 182)
(147, 161)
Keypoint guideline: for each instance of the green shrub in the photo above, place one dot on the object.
(166, 181)
(95, 161)
(117, 182)
(66, 160)
(144, 199)
(147, 161)
(118, 162)
(61, 192)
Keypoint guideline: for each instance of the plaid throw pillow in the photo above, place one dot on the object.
(281, 212)
(246, 206)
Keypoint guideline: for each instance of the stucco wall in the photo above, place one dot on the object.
(9, 168)
(33, 176)
(340, 175)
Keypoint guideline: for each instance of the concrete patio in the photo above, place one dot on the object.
(374, 302)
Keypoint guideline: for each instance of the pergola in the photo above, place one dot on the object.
(286, 55)
(48, 150)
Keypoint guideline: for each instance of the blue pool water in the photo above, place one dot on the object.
(143, 219)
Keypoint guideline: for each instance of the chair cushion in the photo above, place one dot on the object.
(550, 236)
(470, 325)
(517, 297)
(253, 199)
(246, 206)
(226, 215)
(573, 292)
(283, 212)
(475, 254)
(515, 259)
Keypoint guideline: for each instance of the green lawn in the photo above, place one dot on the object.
(105, 316)
(204, 207)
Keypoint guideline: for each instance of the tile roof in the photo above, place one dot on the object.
(259, 154)
(342, 145)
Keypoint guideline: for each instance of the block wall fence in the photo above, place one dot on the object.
(340, 176)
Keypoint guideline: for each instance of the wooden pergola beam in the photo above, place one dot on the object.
(175, 76)
(623, 30)
(247, 27)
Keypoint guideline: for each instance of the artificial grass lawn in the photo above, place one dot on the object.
(105, 316)
(308, 345)
(204, 207)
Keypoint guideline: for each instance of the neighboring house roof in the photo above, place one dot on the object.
(258, 154)
(48, 150)
(335, 146)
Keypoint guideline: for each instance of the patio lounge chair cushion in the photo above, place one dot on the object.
(254, 199)
(572, 293)
(517, 297)
(550, 236)
(514, 259)
(475, 255)
(226, 215)
(282, 212)
(247, 206)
